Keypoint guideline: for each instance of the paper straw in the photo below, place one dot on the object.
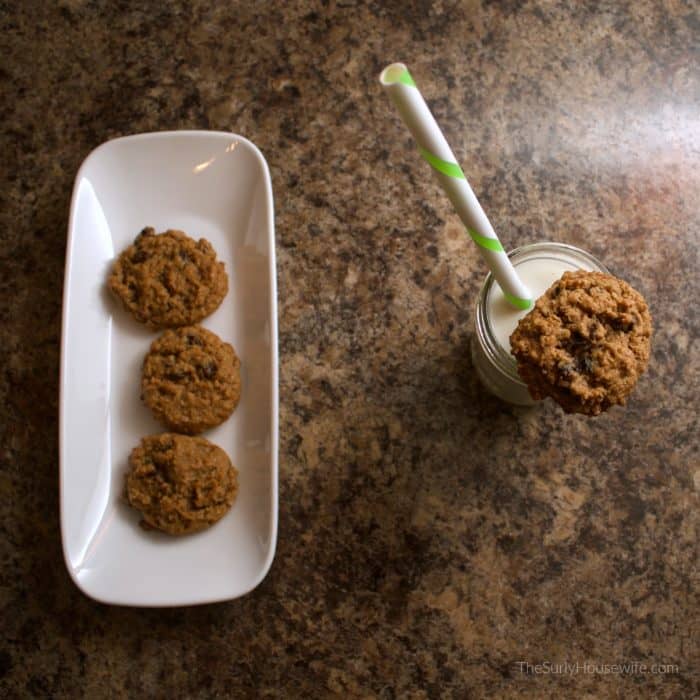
(433, 146)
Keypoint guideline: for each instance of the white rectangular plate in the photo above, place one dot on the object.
(211, 185)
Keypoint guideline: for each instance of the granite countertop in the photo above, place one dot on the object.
(433, 541)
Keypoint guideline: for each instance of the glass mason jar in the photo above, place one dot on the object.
(539, 266)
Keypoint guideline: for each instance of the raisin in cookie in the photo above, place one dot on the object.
(167, 280)
(191, 379)
(585, 342)
(180, 484)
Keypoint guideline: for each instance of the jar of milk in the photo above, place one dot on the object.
(539, 265)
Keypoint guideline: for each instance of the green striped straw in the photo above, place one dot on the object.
(433, 146)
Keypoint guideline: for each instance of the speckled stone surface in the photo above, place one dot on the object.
(431, 538)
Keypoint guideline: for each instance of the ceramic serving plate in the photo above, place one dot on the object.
(211, 185)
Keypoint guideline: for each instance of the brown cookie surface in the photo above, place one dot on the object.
(585, 343)
(191, 379)
(180, 484)
(167, 280)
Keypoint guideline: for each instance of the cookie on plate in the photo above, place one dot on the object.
(180, 484)
(585, 343)
(191, 379)
(167, 280)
